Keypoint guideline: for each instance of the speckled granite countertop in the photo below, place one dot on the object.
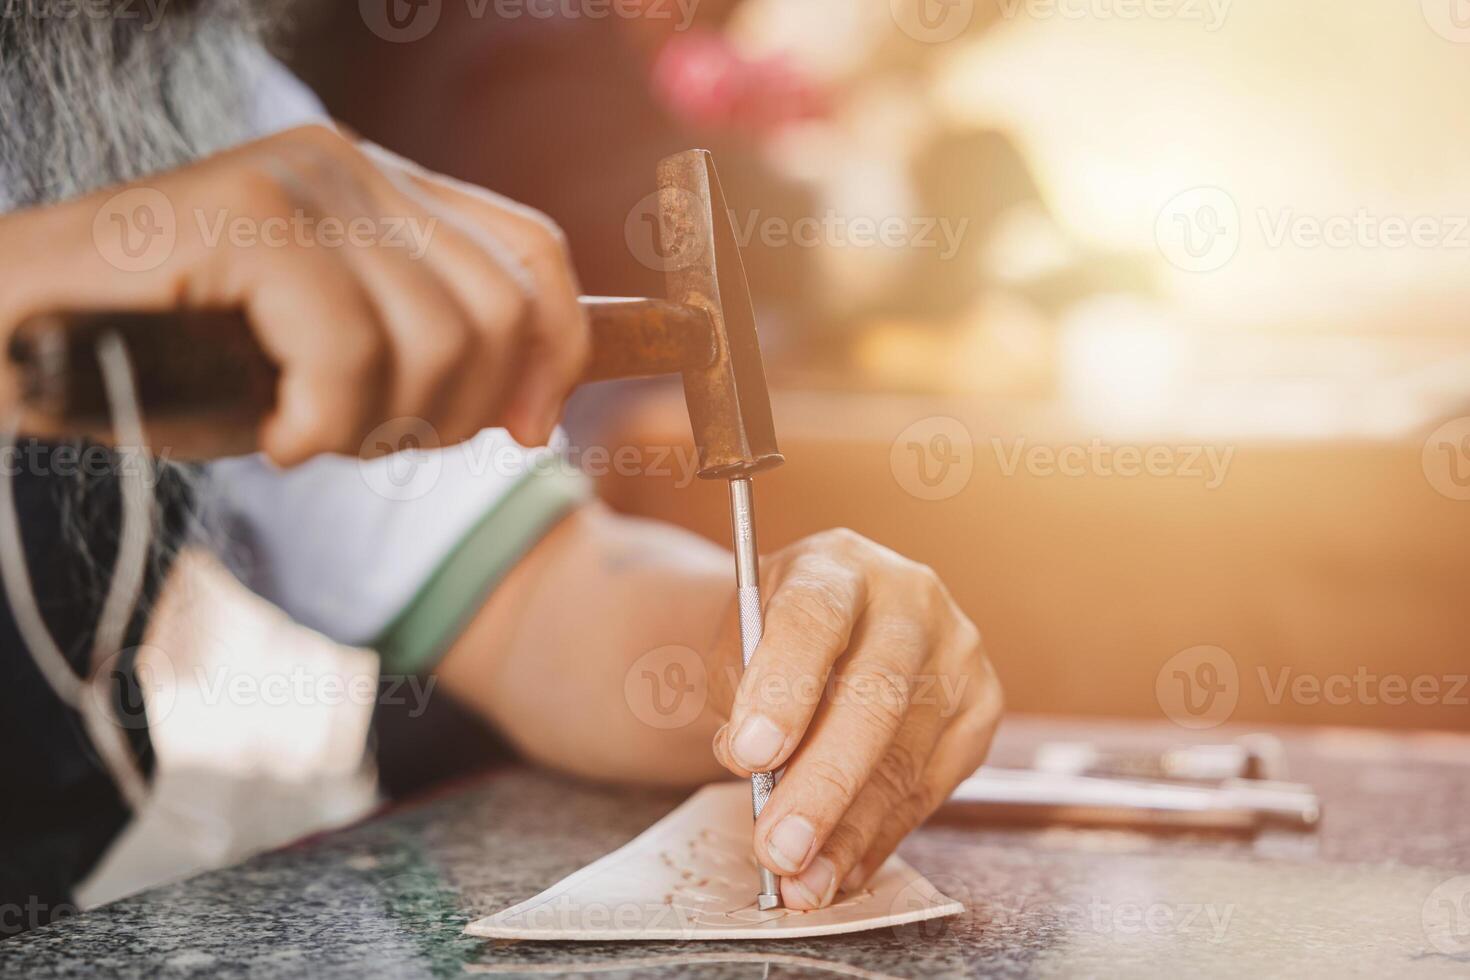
(390, 897)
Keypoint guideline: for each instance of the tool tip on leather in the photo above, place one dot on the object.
(768, 902)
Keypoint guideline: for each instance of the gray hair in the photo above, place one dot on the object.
(92, 93)
(96, 92)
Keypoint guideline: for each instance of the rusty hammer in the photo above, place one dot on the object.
(205, 365)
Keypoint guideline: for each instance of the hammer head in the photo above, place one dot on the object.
(729, 406)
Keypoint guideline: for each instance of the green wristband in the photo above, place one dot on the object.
(423, 632)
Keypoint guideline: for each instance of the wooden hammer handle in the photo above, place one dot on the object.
(207, 365)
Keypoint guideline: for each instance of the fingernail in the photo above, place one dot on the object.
(854, 879)
(757, 743)
(818, 882)
(789, 843)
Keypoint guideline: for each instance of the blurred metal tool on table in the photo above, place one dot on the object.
(1239, 786)
(1027, 796)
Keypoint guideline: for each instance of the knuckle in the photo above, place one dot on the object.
(814, 607)
(260, 191)
(967, 636)
(321, 427)
(895, 775)
(312, 133)
(882, 694)
(511, 299)
(281, 445)
(554, 231)
(902, 639)
(990, 704)
(320, 156)
(928, 578)
(976, 722)
(320, 138)
(967, 688)
(499, 307)
(881, 713)
(837, 780)
(921, 801)
(839, 539)
(930, 596)
(547, 240)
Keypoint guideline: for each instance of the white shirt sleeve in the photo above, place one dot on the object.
(345, 545)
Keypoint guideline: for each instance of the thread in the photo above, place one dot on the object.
(89, 695)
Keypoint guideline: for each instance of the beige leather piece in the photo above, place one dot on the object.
(692, 876)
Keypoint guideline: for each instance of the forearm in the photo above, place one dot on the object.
(547, 659)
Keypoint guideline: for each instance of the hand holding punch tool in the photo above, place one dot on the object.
(205, 366)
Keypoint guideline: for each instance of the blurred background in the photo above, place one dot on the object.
(1142, 321)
